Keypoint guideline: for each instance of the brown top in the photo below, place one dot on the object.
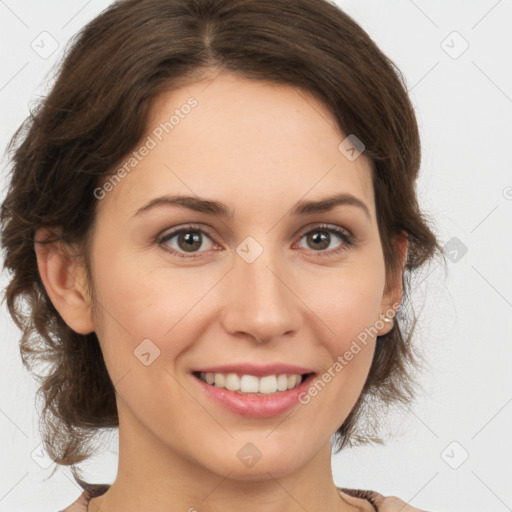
(380, 503)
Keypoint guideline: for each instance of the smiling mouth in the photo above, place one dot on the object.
(246, 384)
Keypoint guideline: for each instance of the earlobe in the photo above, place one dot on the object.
(393, 296)
(62, 278)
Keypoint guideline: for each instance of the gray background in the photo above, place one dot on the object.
(451, 450)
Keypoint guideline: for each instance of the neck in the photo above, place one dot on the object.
(152, 476)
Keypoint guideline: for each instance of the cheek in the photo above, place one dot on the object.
(348, 300)
(347, 305)
(350, 311)
(140, 302)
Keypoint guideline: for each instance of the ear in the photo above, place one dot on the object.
(64, 282)
(393, 294)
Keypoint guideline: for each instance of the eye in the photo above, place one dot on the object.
(321, 240)
(189, 239)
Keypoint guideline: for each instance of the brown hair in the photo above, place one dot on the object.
(95, 115)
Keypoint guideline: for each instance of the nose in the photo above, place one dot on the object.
(259, 301)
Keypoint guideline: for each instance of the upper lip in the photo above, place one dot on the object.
(256, 370)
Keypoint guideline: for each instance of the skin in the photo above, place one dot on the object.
(259, 148)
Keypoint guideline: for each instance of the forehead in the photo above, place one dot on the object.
(235, 139)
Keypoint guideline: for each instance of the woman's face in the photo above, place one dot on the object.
(258, 283)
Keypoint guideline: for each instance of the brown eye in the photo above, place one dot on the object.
(190, 241)
(321, 241)
(187, 240)
(318, 240)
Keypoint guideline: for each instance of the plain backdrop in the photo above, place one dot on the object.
(451, 451)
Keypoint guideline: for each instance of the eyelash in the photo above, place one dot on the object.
(345, 236)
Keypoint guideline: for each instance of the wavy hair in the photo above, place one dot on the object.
(96, 113)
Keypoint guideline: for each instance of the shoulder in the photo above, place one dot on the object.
(379, 502)
(392, 504)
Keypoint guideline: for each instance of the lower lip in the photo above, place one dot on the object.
(252, 406)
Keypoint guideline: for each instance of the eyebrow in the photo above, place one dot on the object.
(304, 207)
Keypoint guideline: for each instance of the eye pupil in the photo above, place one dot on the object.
(321, 237)
(192, 240)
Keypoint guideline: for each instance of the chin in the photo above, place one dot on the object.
(258, 461)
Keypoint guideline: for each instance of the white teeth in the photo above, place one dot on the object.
(251, 384)
(268, 384)
(282, 383)
(232, 382)
(219, 380)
